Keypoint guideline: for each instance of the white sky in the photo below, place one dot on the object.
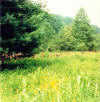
(70, 8)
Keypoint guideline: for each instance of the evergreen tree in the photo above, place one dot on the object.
(18, 19)
(82, 31)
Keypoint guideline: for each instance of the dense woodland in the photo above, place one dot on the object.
(26, 27)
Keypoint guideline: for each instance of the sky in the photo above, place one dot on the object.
(71, 7)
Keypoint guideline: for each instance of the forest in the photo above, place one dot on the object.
(27, 28)
(46, 57)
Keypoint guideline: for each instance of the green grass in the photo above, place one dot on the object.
(71, 78)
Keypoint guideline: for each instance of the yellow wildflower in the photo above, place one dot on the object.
(74, 100)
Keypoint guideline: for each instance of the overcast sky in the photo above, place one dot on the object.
(70, 8)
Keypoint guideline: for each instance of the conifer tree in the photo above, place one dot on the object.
(82, 31)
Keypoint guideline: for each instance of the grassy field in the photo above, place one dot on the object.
(68, 77)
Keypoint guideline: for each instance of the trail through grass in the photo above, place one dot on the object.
(71, 78)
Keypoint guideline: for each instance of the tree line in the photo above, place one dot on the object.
(27, 28)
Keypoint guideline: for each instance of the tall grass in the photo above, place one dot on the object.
(71, 77)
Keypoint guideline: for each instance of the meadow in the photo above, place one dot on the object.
(64, 77)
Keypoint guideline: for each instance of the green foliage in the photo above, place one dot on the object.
(66, 34)
(44, 34)
(58, 22)
(18, 20)
(27, 28)
(82, 31)
(68, 20)
(96, 42)
(64, 40)
(78, 36)
(96, 29)
(81, 47)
